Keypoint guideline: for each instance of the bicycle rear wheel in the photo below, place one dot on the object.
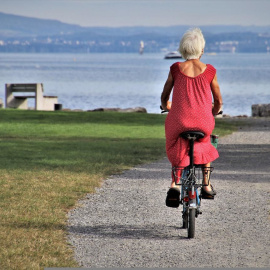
(191, 223)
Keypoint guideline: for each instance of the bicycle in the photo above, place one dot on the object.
(191, 184)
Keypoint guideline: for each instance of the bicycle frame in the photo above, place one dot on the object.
(190, 183)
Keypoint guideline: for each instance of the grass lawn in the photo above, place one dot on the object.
(48, 160)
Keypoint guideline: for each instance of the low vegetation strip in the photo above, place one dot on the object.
(49, 160)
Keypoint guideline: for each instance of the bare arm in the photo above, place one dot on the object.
(216, 96)
(167, 89)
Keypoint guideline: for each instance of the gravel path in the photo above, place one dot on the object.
(126, 223)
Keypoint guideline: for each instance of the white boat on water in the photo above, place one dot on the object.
(173, 55)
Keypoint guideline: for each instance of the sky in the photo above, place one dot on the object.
(115, 13)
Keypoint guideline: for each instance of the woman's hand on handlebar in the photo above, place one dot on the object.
(167, 108)
(217, 108)
(162, 110)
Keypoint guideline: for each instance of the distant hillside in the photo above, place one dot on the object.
(24, 34)
(19, 26)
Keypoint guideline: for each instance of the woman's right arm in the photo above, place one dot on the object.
(167, 89)
(216, 96)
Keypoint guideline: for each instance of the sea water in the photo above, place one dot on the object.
(90, 81)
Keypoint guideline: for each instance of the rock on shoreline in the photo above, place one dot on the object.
(260, 110)
(137, 109)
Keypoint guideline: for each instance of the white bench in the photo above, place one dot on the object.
(42, 103)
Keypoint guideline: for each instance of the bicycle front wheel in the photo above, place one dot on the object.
(191, 223)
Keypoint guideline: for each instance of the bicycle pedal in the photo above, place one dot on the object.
(208, 197)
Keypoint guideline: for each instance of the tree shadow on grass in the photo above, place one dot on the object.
(77, 155)
(153, 232)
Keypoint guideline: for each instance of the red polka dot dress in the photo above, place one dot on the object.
(191, 110)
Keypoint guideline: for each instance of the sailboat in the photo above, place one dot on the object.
(141, 47)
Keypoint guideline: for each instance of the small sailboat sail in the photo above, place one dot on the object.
(141, 47)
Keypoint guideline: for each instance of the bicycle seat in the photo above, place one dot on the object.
(192, 135)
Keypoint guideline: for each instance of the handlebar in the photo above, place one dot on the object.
(163, 111)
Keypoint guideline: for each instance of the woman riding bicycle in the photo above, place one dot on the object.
(194, 86)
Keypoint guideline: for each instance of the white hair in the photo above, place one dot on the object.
(192, 44)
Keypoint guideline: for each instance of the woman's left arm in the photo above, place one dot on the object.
(167, 89)
(216, 95)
